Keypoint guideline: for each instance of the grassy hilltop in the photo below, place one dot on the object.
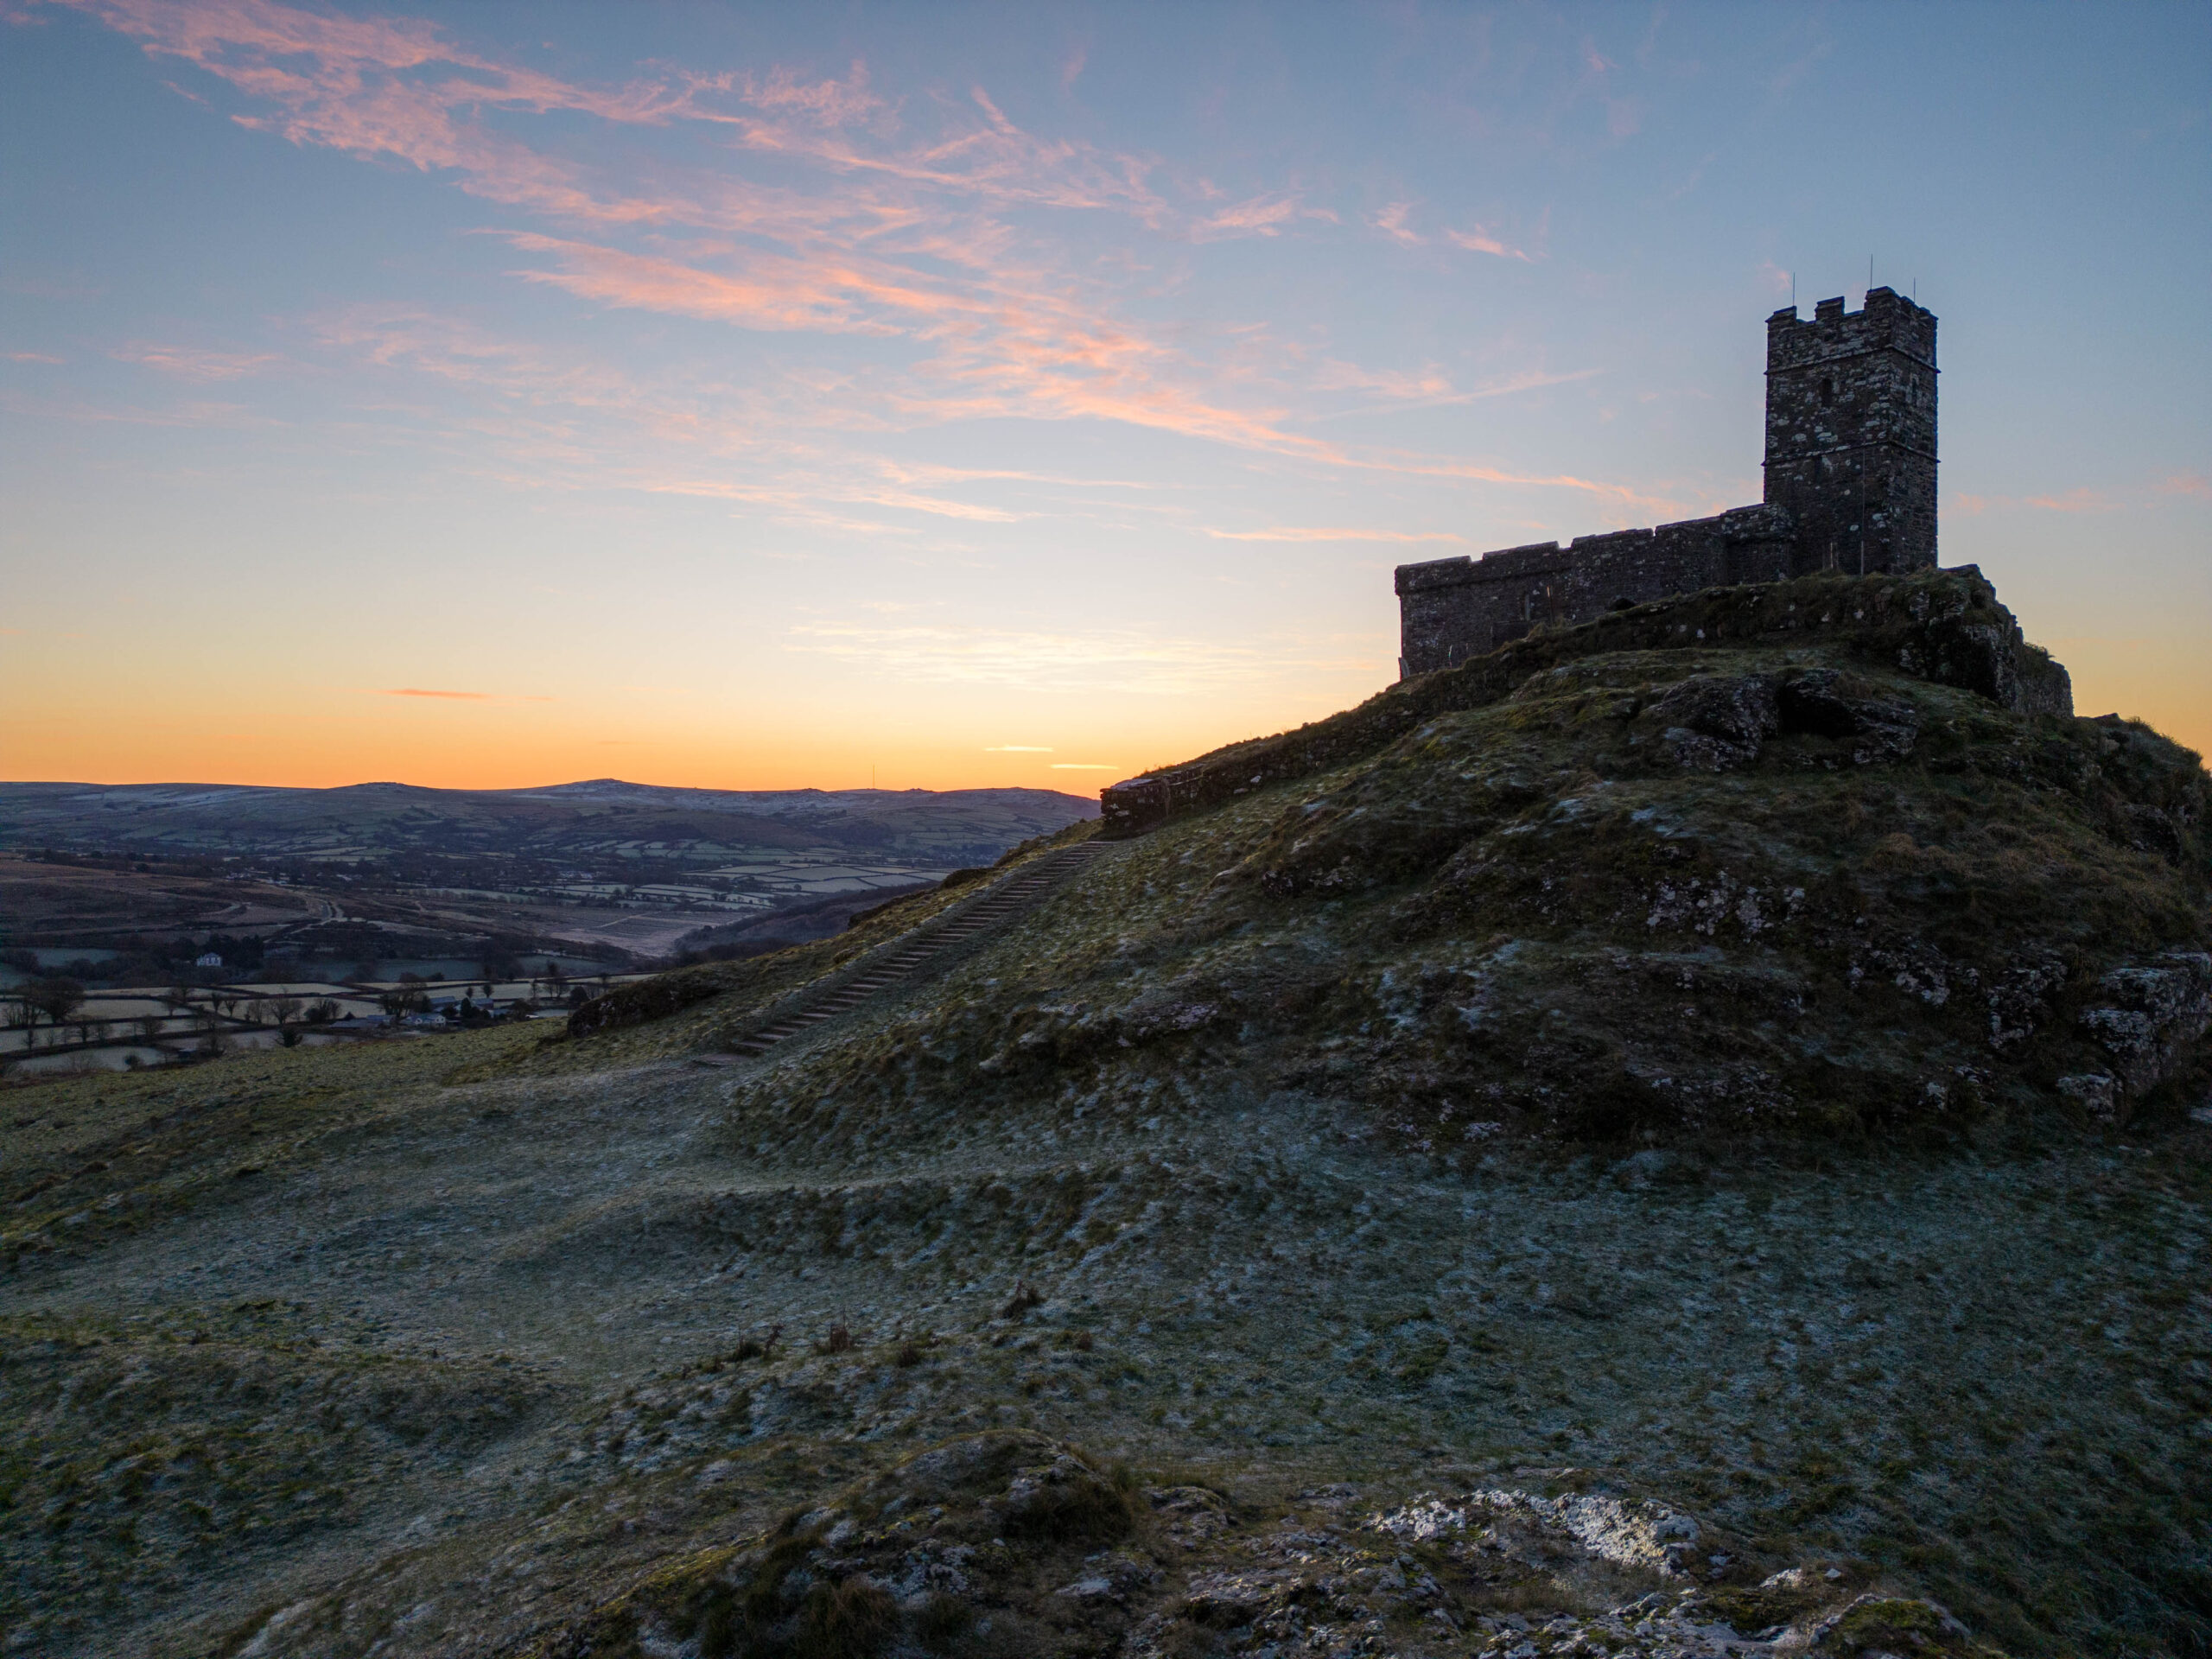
(1655, 1129)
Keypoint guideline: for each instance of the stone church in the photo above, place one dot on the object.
(1849, 486)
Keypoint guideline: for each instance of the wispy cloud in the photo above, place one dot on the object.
(805, 500)
(1431, 391)
(1348, 377)
(1391, 221)
(2075, 501)
(826, 102)
(2082, 498)
(1322, 534)
(1124, 661)
(1260, 216)
(190, 362)
(1481, 239)
(910, 229)
(34, 357)
(197, 412)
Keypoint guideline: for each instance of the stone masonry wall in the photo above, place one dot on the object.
(1452, 609)
(1850, 487)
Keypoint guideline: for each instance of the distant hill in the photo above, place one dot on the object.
(554, 820)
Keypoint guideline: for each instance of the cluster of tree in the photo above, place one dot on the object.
(150, 959)
(142, 863)
(57, 998)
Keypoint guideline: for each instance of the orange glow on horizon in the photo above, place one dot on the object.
(788, 400)
(448, 742)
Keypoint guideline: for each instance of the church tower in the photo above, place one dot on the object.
(1851, 434)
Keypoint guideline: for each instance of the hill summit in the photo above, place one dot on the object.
(1828, 855)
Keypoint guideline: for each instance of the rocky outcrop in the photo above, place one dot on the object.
(1946, 626)
(652, 998)
(2148, 1018)
(1011, 1542)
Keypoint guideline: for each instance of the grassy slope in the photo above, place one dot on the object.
(1328, 1116)
(1529, 915)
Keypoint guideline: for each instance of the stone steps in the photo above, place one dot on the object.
(991, 909)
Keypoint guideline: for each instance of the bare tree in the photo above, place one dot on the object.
(57, 999)
(400, 1003)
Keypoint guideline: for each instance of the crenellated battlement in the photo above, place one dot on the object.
(1849, 486)
(1886, 321)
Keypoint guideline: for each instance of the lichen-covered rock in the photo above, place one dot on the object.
(1825, 701)
(1875, 1623)
(2149, 1012)
(1715, 721)
(1646, 1536)
(917, 1561)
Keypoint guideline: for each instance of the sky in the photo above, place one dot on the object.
(947, 396)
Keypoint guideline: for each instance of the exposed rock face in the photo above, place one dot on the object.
(1649, 1536)
(1715, 723)
(1817, 853)
(947, 1554)
(2148, 1018)
(1820, 700)
(1943, 626)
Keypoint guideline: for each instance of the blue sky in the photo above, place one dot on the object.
(757, 396)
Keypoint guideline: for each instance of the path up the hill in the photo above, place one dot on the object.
(905, 959)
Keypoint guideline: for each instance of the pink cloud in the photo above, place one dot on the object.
(1260, 216)
(2193, 483)
(800, 500)
(1391, 221)
(1323, 534)
(770, 291)
(829, 103)
(899, 235)
(1410, 393)
(194, 365)
(34, 357)
(2076, 500)
(1346, 377)
(1479, 240)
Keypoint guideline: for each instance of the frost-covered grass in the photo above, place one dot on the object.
(1511, 1099)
